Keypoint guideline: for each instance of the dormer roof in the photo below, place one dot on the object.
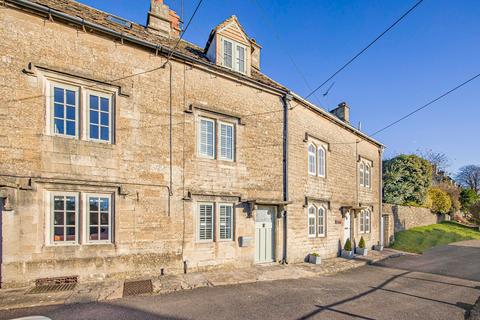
(232, 21)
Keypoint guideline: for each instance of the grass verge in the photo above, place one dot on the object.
(420, 239)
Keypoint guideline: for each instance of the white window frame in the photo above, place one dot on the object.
(51, 237)
(365, 221)
(220, 124)
(99, 94)
(51, 103)
(199, 138)
(322, 164)
(232, 223)
(314, 155)
(367, 176)
(314, 216)
(86, 214)
(235, 46)
(361, 171)
(198, 221)
(324, 222)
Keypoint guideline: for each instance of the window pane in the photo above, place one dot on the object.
(104, 218)
(104, 135)
(206, 138)
(93, 117)
(59, 111)
(93, 218)
(59, 204)
(311, 221)
(312, 159)
(226, 141)
(70, 218)
(104, 204)
(70, 233)
(70, 203)
(59, 126)
(205, 222)
(58, 95)
(93, 233)
(58, 218)
(104, 104)
(241, 59)
(93, 204)
(70, 113)
(93, 131)
(71, 97)
(104, 233)
(321, 161)
(93, 102)
(225, 222)
(104, 119)
(58, 234)
(70, 128)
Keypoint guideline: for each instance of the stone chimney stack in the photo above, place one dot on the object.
(255, 54)
(342, 112)
(162, 20)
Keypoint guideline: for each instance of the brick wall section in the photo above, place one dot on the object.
(405, 217)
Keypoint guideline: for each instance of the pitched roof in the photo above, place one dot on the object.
(139, 31)
(223, 24)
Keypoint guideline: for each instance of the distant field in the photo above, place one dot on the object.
(420, 239)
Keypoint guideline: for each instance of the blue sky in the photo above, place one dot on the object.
(431, 51)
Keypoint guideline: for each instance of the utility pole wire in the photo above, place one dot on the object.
(182, 33)
(364, 49)
(426, 105)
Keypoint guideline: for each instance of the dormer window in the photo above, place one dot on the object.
(234, 55)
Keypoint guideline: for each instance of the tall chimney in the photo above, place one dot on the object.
(162, 20)
(342, 112)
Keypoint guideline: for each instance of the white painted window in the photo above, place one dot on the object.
(361, 173)
(312, 159)
(99, 114)
(206, 138)
(234, 56)
(321, 222)
(227, 141)
(225, 221)
(312, 221)
(367, 176)
(64, 218)
(205, 221)
(364, 222)
(99, 221)
(65, 110)
(321, 161)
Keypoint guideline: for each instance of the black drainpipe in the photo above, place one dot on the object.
(286, 107)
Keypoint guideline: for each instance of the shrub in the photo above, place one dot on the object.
(468, 197)
(361, 244)
(348, 245)
(441, 202)
(314, 254)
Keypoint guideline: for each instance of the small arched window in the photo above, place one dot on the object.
(367, 176)
(312, 159)
(312, 225)
(321, 161)
(321, 221)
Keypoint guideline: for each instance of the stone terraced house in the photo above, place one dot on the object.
(123, 158)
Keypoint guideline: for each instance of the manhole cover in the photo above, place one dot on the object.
(52, 288)
(133, 288)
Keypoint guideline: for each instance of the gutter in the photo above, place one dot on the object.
(125, 37)
(336, 120)
(380, 196)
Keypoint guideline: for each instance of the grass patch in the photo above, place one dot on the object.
(420, 239)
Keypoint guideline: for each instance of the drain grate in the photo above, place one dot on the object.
(133, 288)
(52, 288)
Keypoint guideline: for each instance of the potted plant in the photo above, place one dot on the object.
(314, 258)
(361, 250)
(347, 251)
(378, 247)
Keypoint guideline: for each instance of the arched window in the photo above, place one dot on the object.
(321, 221)
(312, 225)
(367, 221)
(321, 161)
(312, 159)
(361, 173)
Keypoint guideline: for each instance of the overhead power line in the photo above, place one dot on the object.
(364, 49)
(425, 105)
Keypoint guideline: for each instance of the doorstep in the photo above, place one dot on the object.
(113, 289)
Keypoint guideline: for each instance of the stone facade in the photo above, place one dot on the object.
(151, 168)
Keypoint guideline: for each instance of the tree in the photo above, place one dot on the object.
(441, 202)
(406, 179)
(453, 192)
(469, 177)
(475, 212)
(439, 160)
(468, 197)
